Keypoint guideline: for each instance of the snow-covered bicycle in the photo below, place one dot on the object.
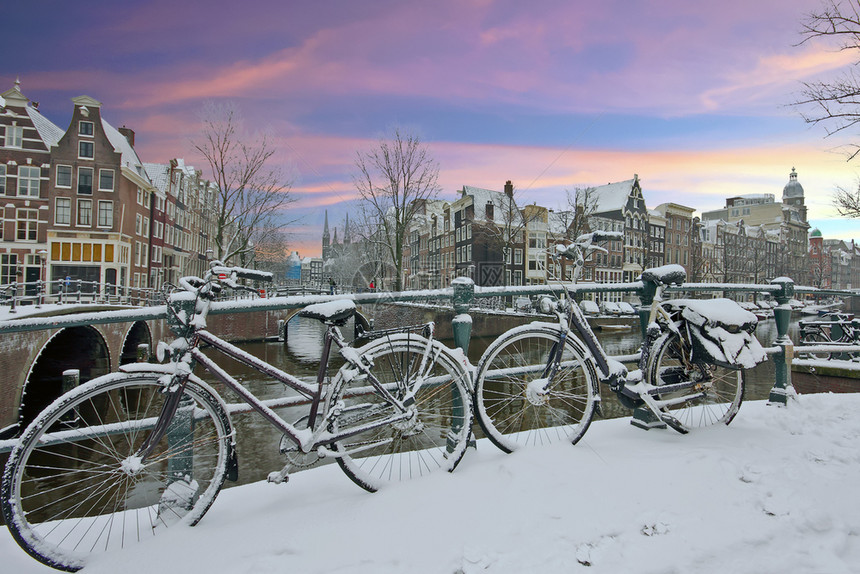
(538, 383)
(126, 455)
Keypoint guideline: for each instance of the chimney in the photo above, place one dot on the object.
(509, 188)
(128, 133)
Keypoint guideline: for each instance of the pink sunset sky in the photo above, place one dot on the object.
(552, 95)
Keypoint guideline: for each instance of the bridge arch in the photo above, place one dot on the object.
(82, 348)
(138, 334)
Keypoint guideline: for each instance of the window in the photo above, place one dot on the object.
(85, 128)
(85, 150)
(85, 181)
(2, 180)
(8, 268)
(105, 180)
(64, 176)
(14, 136)
(63, 211)
(85, 212)
(27, 224)
(28, 180)
(105, 218)
(138, 223)
(518, 257)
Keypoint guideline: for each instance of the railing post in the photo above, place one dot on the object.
(646, 299)
(14, 297)
(464, 292)
(71, 379)
(143, 353)
(782, 359)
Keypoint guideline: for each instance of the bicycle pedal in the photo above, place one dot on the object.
(278, 477)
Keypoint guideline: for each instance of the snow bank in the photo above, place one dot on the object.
(773, 492)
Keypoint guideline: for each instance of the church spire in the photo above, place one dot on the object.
(347, 238)
(326, 243)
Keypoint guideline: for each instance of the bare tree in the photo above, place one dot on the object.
(582, 203)
(391, 179)
(250, 194)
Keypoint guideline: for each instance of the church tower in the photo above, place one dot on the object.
(326, 243)
(792, 194)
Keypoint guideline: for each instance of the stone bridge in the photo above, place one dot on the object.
(32, 362)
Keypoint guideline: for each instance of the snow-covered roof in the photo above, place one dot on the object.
(120, 143)
(612, 196)
(157, 173)
(48, 131)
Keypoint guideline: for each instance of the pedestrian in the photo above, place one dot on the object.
(372, 285)
(331, 286)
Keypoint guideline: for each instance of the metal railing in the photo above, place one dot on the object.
(62, 291)
(464, 297)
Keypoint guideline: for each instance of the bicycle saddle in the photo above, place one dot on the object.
(665, 275)
(335, 313)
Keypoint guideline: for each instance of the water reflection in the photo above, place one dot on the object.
(258, 442)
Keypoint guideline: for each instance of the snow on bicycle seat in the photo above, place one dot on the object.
(672, 274)
(331, 312)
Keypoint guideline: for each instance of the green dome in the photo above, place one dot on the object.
(815, 233)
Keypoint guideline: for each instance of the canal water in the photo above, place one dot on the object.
(258, 442)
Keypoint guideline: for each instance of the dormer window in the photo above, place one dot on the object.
(85, 128)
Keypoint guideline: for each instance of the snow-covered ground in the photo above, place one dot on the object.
(774, 492)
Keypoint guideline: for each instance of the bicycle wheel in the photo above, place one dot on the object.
(72, 488)
(814, 338)
(670, 362)
(433, 439)
(510, 411)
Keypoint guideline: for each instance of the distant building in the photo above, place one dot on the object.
(788, 219)
(26, 140)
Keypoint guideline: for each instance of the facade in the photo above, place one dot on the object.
(100, 209)
(788, 219)
(26, 139)
(80, 205)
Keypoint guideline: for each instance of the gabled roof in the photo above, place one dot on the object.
(612, 196)
(48, 131)
(157, 173)
(130, 159)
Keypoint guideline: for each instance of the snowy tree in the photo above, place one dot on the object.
(391, 179)
(250, 194)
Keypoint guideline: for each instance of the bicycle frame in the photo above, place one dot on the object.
(314, 436)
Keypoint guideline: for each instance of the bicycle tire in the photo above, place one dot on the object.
(670, 361)
(512, 418)
(434, 440)
(71, 487)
